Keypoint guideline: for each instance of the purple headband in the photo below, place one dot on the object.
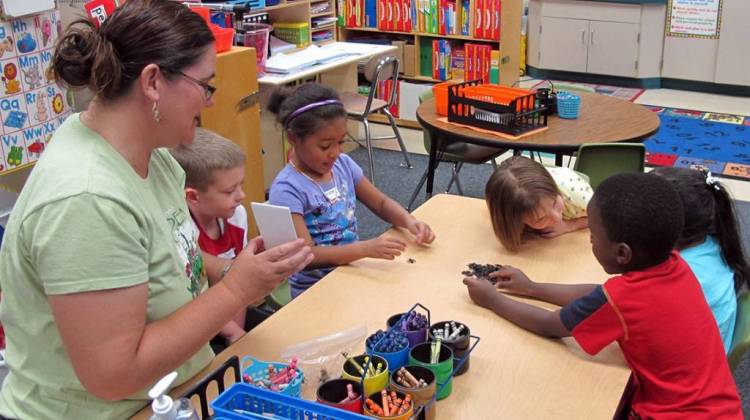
(308, 107)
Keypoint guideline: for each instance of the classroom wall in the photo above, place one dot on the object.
(733, 58)
(70, 11)
(722, 60)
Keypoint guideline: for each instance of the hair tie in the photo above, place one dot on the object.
(711, 181)
(308, 107)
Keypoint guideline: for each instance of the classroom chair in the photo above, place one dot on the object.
(280, 296)
(573, 87)
(741, 337)
(457, 153)
(601, 160)
(378, 69)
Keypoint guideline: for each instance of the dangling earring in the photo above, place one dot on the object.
(155, 110)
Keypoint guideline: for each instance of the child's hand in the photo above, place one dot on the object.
(565, 226)
(234, 336)
(482, 292)
(232, 332)
(513, 280)
(384, 247)
(421, 231)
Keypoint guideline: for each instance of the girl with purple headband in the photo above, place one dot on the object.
(321, 185)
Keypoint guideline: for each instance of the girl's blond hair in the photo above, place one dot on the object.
(512, 192)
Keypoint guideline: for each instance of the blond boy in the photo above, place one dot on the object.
(214, 174)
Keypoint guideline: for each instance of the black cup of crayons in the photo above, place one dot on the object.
(455, 335)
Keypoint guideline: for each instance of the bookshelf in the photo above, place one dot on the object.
(307, 11)
(506, 60)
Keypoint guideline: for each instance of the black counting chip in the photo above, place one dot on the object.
(482, 271)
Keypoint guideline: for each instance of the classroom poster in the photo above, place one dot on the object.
(694, 18)
(32, 105)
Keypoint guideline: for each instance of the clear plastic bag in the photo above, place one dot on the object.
(320, 359)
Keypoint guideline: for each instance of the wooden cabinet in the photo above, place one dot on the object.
(235, 115)
(594, 37)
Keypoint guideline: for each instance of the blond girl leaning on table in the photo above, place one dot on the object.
(525, 198)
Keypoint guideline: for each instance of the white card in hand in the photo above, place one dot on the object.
(274, 223)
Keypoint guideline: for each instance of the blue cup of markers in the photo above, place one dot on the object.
(393, 346)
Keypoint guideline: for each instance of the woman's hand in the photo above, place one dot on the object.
(384, 247)
(256, 271)
(421, 231)
(512, 280)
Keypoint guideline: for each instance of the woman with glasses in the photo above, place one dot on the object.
(104, 286)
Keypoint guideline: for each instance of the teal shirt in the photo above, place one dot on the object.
(717, 282)
(85, 221)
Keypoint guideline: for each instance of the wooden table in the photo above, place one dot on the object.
(602, 119)
(514, 374)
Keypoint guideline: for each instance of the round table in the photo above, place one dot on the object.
(602, 119)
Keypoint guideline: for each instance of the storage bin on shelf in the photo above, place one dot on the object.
(297, 33)
(508, 110)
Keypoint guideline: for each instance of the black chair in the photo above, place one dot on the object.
(457, 153)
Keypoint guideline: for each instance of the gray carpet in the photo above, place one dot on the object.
(399, 183)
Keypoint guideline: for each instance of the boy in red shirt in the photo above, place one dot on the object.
(214, 173)
(655, 309)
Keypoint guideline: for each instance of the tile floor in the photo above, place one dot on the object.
(660, 97)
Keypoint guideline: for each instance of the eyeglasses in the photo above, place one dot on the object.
(208, 90)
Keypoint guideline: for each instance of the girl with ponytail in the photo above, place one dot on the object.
(710, 242)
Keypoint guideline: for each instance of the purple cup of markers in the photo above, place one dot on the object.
(413, 324)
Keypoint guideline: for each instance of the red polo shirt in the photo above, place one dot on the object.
(669, 337)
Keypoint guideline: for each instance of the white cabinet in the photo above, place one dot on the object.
(585, 46)
(613, 48)
(594, 37)
(564, 43)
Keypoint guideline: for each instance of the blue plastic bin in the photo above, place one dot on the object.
(568, 105)
(242, 401)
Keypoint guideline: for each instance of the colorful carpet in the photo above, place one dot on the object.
(628, 94)
(720, 142)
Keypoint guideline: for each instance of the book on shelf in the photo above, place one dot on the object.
(487, 19)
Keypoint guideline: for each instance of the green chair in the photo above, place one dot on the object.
(280, 296)
(456, 152)
(601, 160)
(741, 337)
(572, 87)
